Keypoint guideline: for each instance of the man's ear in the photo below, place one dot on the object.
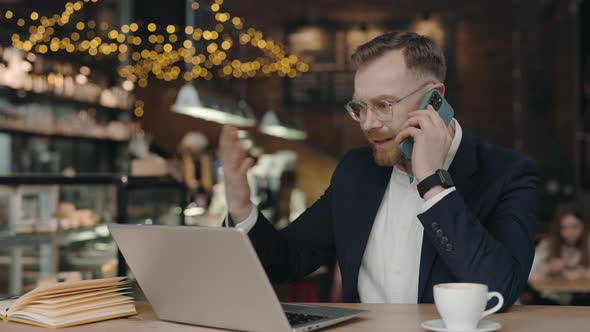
(440, 87)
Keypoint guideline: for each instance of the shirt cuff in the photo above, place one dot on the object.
(430, 203)
(248, 223)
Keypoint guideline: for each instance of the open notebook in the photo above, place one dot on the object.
(71, 303)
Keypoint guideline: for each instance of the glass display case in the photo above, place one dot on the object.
(53, 224)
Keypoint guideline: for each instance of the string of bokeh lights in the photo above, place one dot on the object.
(150, 49)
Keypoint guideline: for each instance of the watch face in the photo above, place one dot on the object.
(445, 178)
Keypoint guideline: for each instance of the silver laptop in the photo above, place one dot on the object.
(212, 277)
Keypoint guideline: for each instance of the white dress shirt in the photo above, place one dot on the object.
(390, 269)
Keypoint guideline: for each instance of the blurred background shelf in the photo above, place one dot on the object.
(48, 134)
(82, 234)
(62, 237)
(90, 179)
(9, 240)
(31, 96)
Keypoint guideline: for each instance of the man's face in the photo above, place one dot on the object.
(386, 78)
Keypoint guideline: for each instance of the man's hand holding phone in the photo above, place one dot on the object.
(432, 141)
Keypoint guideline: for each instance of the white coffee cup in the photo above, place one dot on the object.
(462, 305)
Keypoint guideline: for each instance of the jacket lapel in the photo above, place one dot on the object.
(462, 168)
(464, 165)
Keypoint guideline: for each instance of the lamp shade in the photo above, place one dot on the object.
(271, 125)
(191, 103)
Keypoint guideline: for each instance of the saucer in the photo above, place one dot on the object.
(439, 326)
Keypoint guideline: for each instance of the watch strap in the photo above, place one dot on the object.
(439, 178)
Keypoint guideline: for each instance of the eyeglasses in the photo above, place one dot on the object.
(383, 109)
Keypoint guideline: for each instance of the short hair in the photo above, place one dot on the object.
(422, 54)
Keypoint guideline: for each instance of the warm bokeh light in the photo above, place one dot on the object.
(157, 54)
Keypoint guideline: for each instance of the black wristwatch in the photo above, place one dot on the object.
(439, 178)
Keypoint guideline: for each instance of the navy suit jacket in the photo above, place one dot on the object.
(483, 232)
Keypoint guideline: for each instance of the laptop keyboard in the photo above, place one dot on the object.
(296, 319)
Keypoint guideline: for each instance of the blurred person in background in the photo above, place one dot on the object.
(565, 253)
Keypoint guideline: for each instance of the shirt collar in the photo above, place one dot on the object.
(454, 144)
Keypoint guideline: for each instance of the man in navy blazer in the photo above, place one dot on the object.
(461, 210)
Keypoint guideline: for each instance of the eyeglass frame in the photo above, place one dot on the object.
(389, 104)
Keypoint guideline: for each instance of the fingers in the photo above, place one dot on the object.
(419, 120)
(408, 132)
(431, 114)
(231, 151)
(245, 166)
(228, 137)
(236, 154)
(435, 117)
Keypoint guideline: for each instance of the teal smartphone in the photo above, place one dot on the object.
(441, 106)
